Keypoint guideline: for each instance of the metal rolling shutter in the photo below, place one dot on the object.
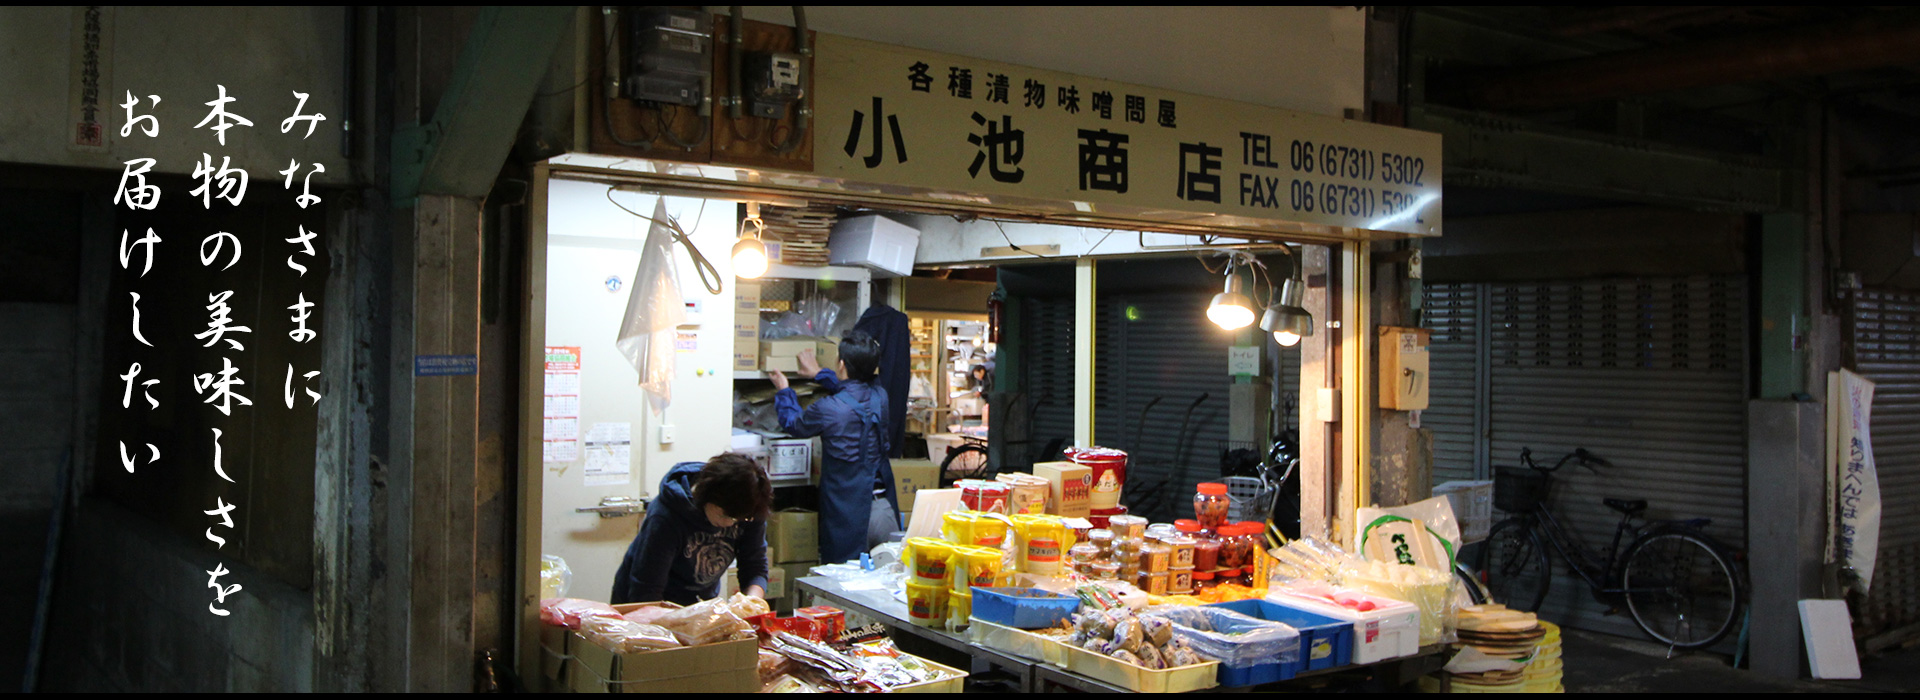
(1886, 349)
(1455, 412)
(1647, 373)
(1048, 336)
(1162, 346)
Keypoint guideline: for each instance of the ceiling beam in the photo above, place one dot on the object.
(1871, 42)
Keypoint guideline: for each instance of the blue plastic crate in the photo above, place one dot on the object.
(1325, 642)
(1022, 608)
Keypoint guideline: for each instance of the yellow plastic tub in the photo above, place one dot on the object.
(928, 560)
(976, 566)
(926, 605)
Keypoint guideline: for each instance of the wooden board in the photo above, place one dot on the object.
(630, 120)
(747, 142)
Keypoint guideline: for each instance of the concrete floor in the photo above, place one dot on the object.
(1601, 663)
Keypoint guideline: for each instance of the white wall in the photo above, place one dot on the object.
(261, 54)
(1308, 59)
(590, 240)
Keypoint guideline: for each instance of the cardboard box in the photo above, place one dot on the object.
(794, 536)
(553, 653)
(725, 667)
(792, 572)
(746, 298)
(784, 354)
(911, 475)
(1069, 488)
(827, 352)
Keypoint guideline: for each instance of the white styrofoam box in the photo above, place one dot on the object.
(876, 242)
(745, 440)
(1389, 631)
(1472, 506)
(1827, 629)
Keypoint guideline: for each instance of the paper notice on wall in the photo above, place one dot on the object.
(1855, 481)
(609, 452)
(560, 434)
(684, 341)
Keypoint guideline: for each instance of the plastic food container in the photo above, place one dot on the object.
(959, 609)
(1106, 570)
(1023, 608)
(1182, 552)
(1202, 580)
(1109, 467)
(1234, 547)
(1390, 630)
(1040, 543)
(1102, 539)
(975, 566)
(928, 559)
(1211, 505)
(985, 496)
(1132, 526)
(1156, 558)
(1156, 583)
(1206, 554)
(1101, 517)
(926, 605)
(1179, 581)
(1325, 642)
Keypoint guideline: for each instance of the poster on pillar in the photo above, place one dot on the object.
(895, 115)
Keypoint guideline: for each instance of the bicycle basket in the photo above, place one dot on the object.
(1518, 489)
(1250, 498)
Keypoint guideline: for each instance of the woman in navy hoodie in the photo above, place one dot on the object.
(705, 517)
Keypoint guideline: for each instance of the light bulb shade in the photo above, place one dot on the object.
(1287, 323)
(749, 258)
(1231, 310)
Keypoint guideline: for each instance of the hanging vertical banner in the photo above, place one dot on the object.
(894, 115)
(1854, 483)
(560, 434)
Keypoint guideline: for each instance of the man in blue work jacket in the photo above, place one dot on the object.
(852, 425)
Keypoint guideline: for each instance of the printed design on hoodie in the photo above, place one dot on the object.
(710, 553)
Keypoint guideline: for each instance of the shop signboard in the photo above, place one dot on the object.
(894, 115)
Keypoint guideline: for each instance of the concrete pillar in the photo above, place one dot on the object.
(1785, 488)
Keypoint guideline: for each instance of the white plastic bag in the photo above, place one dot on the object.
(1435, 515)
(654, 308)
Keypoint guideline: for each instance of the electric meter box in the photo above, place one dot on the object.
(670, 56)
(875, 242)
(1404, 364)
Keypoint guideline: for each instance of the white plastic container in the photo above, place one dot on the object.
(1472, 506)
(1390, 630)
(876, 242)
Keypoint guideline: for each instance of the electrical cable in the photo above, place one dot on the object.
(709, 275)
(1010, 243)
(666, 128)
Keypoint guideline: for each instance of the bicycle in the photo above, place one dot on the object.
(1681, 586)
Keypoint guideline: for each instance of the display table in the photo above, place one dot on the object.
(1035, 675)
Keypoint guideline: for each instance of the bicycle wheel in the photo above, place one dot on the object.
(1515, 566)
(1682, 589)
(967, 461)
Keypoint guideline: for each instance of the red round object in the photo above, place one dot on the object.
(1099, 516)
(1212, 488)
(1109, 472)
(1186, 525)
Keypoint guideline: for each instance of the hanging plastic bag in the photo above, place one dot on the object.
(1434, 516)
(555, 577)
(654, 309)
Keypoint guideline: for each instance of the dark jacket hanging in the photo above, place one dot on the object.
(889, 326)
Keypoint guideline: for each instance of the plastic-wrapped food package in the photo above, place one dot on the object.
(568, 612)
(623, 637)
(706, 622)
(648, 615)
(555, 577)
(1431, 591)
(1235, 640)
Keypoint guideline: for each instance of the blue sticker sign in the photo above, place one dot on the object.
(445, 365)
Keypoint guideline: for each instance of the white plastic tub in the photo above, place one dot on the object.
(1391, 630)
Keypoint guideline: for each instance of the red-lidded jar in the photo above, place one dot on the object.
(1203, 580)
(1211, 505)
(1206, 554)
(1234, 547)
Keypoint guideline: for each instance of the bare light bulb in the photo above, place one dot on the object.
(1286, 338)
(749, 258)
(1230, 311)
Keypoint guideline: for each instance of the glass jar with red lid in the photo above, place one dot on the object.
(1235, 548)
(1211, 505)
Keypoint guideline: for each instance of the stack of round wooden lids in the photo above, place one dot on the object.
(1495, 631)
(801, 231)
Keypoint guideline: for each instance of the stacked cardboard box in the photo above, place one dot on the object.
(723, 667)
(912, 475)
(746, 326)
